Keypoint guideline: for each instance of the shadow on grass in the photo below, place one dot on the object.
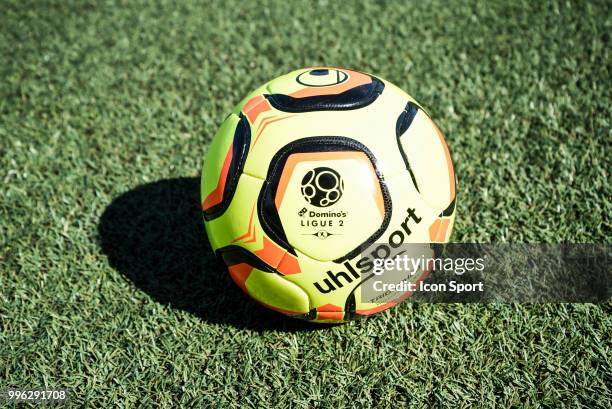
(154, 235)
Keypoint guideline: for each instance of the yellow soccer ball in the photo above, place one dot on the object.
(309, 171)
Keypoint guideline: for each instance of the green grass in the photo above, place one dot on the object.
(108, 287)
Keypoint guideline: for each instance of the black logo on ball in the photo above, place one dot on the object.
(322, 187)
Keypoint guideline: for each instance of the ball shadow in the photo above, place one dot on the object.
(154, 235)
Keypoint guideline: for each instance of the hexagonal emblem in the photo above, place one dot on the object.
(329, 202)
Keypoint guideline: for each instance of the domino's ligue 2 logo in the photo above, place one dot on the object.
(322, 186)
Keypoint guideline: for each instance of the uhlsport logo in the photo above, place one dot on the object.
(322, 187)
(364, 265)
(322, 77)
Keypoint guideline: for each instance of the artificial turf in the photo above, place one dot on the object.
(109, 289)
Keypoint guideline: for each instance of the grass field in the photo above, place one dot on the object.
(108, 286)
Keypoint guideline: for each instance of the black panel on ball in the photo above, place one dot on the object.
(354, 98)
(240, 149)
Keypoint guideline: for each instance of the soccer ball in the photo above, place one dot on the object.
(309, 173)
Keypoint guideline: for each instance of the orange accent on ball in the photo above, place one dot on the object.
(248, 232)
(336, 316)
(270, 253)
(438, 229)
(289, 265)
(264, 124)
(296, 158)
(255, 106)
(216, 196)
(329, 308)
(240, 273)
